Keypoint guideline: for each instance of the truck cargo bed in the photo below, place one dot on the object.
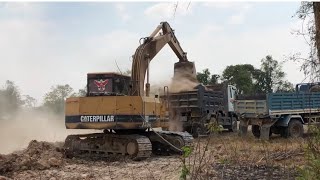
(284, 103)
(279, 104)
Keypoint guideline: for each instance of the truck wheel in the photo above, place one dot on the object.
(295, 128)
(255, 131)
(196, 131)
(234, 126)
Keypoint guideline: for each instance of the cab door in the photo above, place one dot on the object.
(231, 97)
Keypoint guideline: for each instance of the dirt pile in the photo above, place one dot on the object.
(223, 156)
(4, 178)
(37, 156)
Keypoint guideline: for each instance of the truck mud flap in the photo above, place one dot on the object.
(243, 127)
(265, 129)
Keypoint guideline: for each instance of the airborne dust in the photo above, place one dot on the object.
(184, 80)
(34, 124)
(16, 132)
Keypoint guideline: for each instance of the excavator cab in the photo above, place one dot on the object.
(107, 84)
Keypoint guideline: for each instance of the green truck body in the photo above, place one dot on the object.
(279, 113)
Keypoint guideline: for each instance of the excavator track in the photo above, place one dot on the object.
(187, 138)
(169, 142)
(137, 147)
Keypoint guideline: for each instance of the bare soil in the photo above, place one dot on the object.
(221, 156)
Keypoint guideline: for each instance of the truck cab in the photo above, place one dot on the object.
(231, 97)
(308, 87)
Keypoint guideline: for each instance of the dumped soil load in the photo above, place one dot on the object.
(37, 156)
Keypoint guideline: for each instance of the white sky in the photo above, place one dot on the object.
(45, 44)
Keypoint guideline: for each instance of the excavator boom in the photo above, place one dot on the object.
(149, 49)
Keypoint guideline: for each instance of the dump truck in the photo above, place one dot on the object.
(280, 113)
(195, 109)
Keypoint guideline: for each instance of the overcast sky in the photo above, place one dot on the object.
(45, 44)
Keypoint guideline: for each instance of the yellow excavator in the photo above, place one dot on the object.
(124, 111)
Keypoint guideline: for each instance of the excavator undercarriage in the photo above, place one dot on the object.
(137, 146)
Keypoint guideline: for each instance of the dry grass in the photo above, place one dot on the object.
(221, 156)
(251, 150)
(239, 152)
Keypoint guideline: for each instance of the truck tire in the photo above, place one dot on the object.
(295, 128)
(234, 126)
(255, 131)
(196, 131)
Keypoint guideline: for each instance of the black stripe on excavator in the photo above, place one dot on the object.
(108, 118)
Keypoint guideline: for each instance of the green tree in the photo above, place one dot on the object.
(29, 101)
(81, 92)
(273, 75)
(10, 99)
(249, 80)
(241, 76)
(205, 78)
(308, 14)
(55, 99)
(214, 79)
(271, 78)
(285, 86)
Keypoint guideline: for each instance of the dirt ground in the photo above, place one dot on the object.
(221, 156)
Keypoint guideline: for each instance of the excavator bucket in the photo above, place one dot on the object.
(184, 78)
(185, 70)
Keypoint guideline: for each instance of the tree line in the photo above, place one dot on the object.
(11, 99)
(250, 80)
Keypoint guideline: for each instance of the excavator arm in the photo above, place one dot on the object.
(148, 50)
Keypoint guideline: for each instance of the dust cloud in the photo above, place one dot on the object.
(175, 124)
(184, 80)
(184, 77)
(27, 125)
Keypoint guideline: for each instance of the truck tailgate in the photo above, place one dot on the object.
(251, 108)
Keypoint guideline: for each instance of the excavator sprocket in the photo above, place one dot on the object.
(137, 147)
(186, 137)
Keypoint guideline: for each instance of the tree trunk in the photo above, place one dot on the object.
(316, 9)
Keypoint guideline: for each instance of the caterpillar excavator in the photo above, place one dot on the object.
(124, 111)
